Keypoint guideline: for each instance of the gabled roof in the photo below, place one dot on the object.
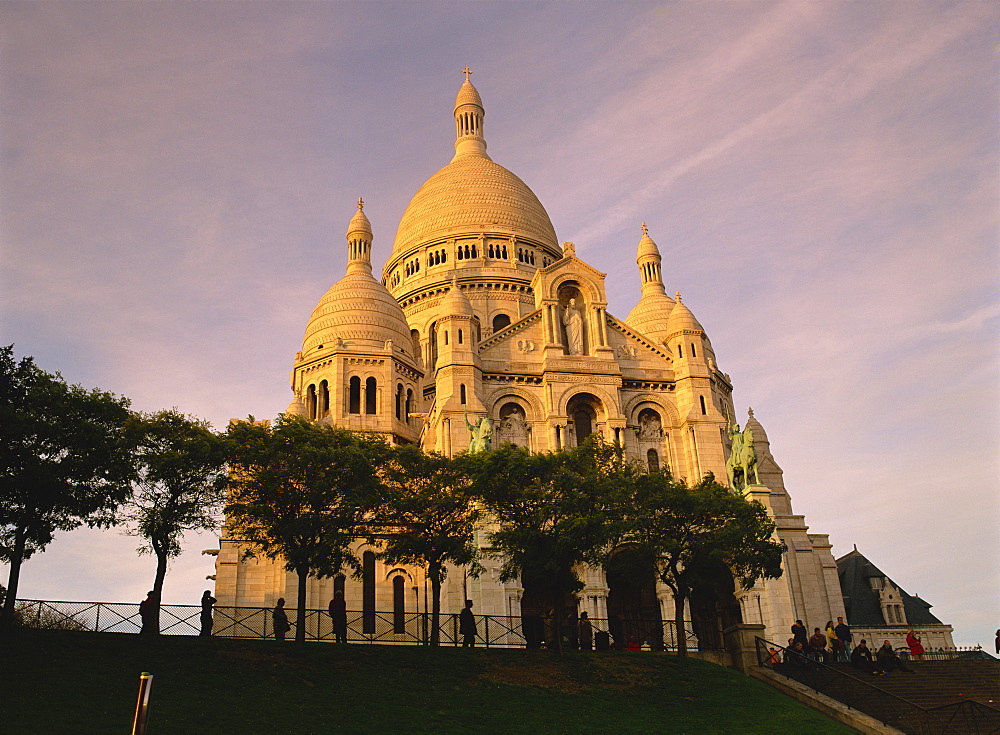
(861, 602)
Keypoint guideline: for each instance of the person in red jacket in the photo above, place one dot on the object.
(916, 649)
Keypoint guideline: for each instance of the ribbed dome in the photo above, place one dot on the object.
(468, 95)
(473, 195)
(651, 315)
(456, 303)
(682, 319)
(759, 435)
(359, 224)
(357, 309)
(647, 248)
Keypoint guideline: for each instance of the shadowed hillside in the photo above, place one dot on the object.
(69, 682)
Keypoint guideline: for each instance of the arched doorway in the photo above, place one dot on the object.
(633, 607)
(584, 411)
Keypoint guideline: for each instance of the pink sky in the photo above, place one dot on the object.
(821, 178)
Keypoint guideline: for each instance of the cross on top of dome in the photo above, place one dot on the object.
(467, 71)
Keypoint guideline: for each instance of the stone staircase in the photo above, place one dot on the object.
(963, 695)
(938, 683)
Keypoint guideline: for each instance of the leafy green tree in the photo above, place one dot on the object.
(690, 530)
(300, 491)
(181, 478)
(553, 512)
(64, 461)
(427, 517)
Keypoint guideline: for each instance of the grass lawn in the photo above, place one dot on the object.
(68, 682)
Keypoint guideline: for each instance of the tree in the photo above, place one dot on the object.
(554, 512)
(690, 530)
(64, 461)
(181, 477)
(428, 517)
(300, 492)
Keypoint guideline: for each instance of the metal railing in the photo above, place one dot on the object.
(493, 631)
(866, 697)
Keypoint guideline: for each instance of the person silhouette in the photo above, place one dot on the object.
(207, 601)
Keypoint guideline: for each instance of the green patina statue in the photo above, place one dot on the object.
(480, 434)
(742, 462)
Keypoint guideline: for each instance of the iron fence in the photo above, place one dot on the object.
(493, 631)
(866, 697)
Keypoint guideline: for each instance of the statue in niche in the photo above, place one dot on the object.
(573, 321)
(480, 434)
(650, 427)
(513, 427)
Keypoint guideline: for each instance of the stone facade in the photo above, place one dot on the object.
(481, 312)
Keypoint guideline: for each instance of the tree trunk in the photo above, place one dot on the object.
(679, 598)
(434, 572)
(557, 607)
(16, 558)
(300, 613)
(161, 573)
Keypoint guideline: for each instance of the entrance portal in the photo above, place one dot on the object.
(633, 607)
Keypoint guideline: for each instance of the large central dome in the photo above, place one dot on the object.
(473, 195)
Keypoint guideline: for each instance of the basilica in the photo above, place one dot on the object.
(484, 328)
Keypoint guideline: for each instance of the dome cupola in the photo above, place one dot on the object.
(681, 319)
(472, 195)
(357, 308)
(650, 316)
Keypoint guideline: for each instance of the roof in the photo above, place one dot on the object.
(861, 602)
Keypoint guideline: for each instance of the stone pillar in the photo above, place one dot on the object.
(741, 644)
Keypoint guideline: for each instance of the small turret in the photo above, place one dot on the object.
(469, 114)
(650, 315)
(359, 241)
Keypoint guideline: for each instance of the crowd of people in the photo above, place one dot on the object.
(836, 645)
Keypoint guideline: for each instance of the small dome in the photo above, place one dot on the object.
(681, 319)
(455, 302)
(647, 248)
(357, 309)
(651, 315)
(468, 95)
(759, 435)
(296, 408)
(359, 224)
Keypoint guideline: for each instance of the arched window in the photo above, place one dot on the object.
(432, 346)
(408, 406)
(704, 408)
(368, 585)
(461, 394)
(324, 399)
(446, 337)
(460, 340)
(311, 402)
(399, 401)
(680, 350)
(693, 352)
(399, 604)
(500, 321)
(653, 460)
(371, 395)
(354, 395)
(583, 422)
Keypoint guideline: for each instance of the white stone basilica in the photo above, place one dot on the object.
(481, 313)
